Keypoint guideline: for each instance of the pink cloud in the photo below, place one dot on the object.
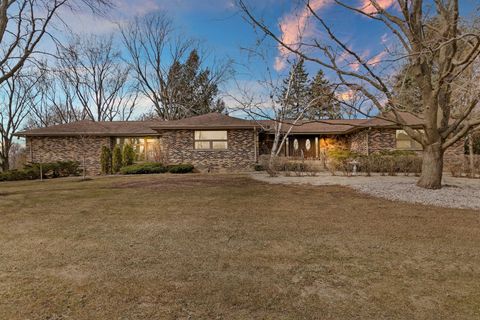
(347, 95)
(294, 26)
(368, 8)
(376, 60)
(355, 65)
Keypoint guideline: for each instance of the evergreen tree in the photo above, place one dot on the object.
(192, 90)
(106, 160)
(322, 96)
(295, 92)
(128, 155)
(117, 161)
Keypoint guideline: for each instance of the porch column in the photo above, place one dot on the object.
(316, 147)
(255, 144)
(287, 147)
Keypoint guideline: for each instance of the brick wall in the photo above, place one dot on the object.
(178, 146)
(51, 149)
(381, 139)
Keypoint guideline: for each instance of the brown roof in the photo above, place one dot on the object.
(212, 120)
(97, 128)
(321, 126)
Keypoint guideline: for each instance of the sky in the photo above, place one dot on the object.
(223, 31)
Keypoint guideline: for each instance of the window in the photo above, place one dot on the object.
(145, 147)
(404, 142)
(211, 140)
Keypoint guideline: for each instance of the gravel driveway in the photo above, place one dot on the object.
(456, 193)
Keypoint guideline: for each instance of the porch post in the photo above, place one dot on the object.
(255, 142)
(287, 147)
(316, 147)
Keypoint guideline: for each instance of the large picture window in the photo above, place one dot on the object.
(146, 148)
(404, 142)
(211, 140)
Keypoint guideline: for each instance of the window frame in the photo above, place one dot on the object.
(141, 147)
(210, 141)
(414, 145)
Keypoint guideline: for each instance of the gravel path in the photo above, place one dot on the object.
(456, 193)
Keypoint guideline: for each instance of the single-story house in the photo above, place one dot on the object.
(215, 141)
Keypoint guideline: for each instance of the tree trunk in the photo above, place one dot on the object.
(471, 156)
(5, 163)
(432, 167)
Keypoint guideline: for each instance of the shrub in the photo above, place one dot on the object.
(278, 164)
(117, 159)
(258, 167)
(128, 156)
(180, 168)
(106, 160)
(144, 168)
(340, 160)
(49, 170)
(391, 163)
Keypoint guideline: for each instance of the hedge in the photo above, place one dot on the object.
(180, 168)
(49, 170)
(147, 168)
(144, 168)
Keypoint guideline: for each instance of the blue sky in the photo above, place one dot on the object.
(223, 31)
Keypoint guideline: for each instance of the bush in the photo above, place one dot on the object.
(128, 156)
(144, 168)
(390, 164)
(106, 160)
(258, 167)
(49, 170)
(180, 168)
(340, 160)
(117, 159)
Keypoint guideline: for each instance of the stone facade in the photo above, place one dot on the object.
(52, 149)
(384, 139)
(178, 146)
(359, 142)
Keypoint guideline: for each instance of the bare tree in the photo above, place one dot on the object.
(18, 97)
(273, 100)
(91, 72)
(161, 59)
(436, 58)
(56, 101)
(24, 23)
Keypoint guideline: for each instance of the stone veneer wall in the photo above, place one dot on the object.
(52, 149)
(358, 142)
(178, 146)
(384, 139)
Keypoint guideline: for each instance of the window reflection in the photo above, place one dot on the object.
(146, 148)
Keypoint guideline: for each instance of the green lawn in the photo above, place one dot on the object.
(228, 247)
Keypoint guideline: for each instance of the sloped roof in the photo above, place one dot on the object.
(212, 120)
(95, 128)
(321, 126)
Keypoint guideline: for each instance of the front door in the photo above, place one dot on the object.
(302, 145)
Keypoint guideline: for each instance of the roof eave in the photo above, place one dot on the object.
(202, 127)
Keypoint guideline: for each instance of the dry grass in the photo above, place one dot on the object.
(227, 247)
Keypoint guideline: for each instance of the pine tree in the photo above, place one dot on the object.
(322, 96)
(295, 92)
(191, 90)
(117, 161)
